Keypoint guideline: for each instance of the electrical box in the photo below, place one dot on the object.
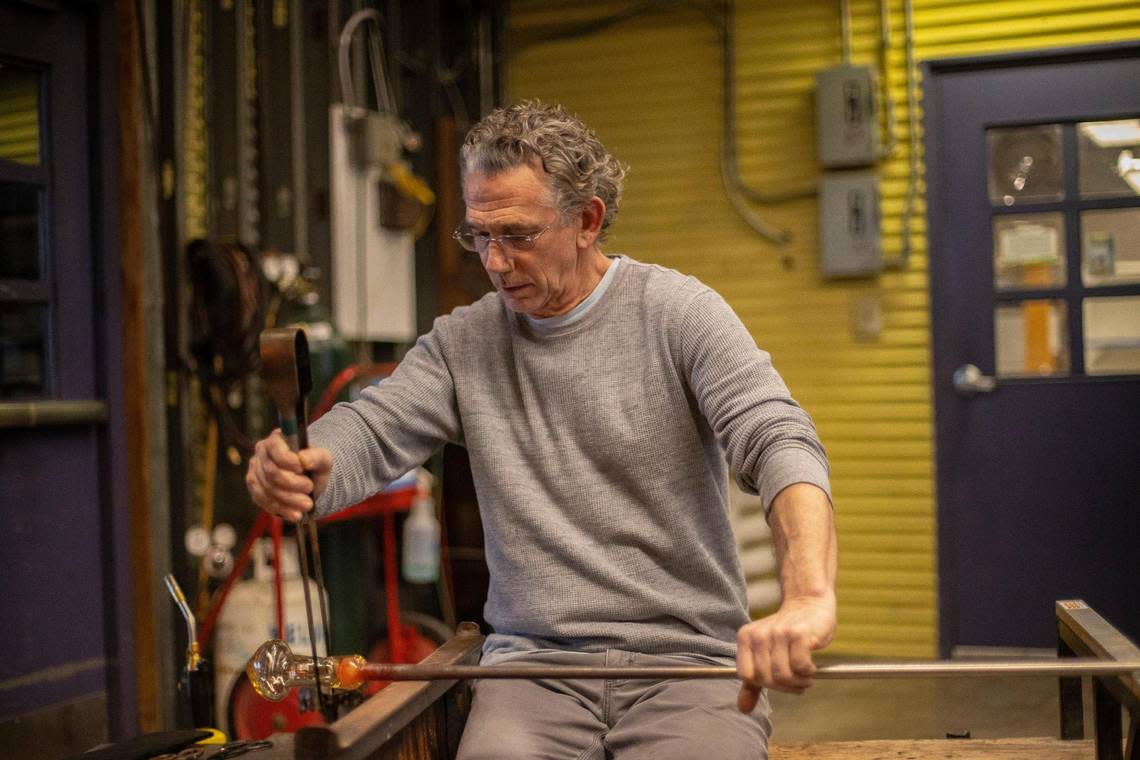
(849, 235)
(374, 276)
(846, 117)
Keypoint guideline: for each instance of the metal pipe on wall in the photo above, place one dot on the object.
(738, 192)
(36, 414)
(912, 133)
(297, 135)
(845, 29)
(891, 142)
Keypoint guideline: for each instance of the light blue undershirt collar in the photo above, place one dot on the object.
(547, 325)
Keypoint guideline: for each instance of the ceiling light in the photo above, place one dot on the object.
(1112, 134)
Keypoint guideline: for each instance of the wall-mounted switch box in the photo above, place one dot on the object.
(849, 234)
(846, 117)
(373, 267)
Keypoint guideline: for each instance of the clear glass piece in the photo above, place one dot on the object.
(1025, 164)
(1029, 251)
(23, 347)
(274, 669)
(19, 231)
(1031, 338)
(19, 115)
(1110, 246)
(1112, 335)
(1108, 158)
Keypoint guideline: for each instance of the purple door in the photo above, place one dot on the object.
(1034, 211)
(62, 608)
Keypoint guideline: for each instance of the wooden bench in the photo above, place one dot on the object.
(938, 749)
(407, 720)
(423, 721)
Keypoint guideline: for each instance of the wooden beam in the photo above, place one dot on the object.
(134, 362)
(943, 749)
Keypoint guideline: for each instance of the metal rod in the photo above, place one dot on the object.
(304, 559)
(33, 414)
(845, 30)
(320, 578)
(925, 669)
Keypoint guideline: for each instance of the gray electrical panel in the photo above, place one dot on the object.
(849, 235)
(846, 116)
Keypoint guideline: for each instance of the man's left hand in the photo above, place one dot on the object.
(775, 652)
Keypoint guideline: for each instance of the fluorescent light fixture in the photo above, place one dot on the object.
(1113, 134)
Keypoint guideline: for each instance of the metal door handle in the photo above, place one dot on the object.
(969, 380)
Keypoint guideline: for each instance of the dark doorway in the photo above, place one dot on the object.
(1035, 310)
(66, 674)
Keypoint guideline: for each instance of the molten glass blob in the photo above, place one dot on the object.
(348, 673)
(274, 669)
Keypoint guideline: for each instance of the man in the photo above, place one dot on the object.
(598, 398)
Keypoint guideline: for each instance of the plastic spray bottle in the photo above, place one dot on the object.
(421, 535)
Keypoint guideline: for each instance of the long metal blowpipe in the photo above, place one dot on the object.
(274, 669)
(862, 670)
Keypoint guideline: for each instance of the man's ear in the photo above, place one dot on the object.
(591, 222)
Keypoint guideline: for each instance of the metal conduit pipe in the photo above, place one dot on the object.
(845, 29)
(739, 194)
(36, 414)
(891, 142)
(297, 135)
(734, 185)
(912, 135)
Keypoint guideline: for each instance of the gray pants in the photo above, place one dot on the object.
(611, 720)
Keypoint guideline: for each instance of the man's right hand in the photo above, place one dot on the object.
(285, 483)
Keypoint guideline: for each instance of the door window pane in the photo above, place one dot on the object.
(1029, 251)
(19, 231)
(1110, 246)
(19, 115)
(1112, 335)
(1024, 164)
(1030, 338)
(1108, 154)
(22, 350)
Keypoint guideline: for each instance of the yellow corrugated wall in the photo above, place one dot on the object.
(650, 86)
(19, 119)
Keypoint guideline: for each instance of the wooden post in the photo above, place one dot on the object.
(134, 363)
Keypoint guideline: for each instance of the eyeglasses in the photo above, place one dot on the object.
(481, 241)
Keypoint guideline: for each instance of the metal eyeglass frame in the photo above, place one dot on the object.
(513, 242)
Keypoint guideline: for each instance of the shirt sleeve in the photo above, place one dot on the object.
(391, 428)
(769, 440)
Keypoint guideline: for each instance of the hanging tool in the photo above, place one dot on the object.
(274, 669)
(288, 380)
(195, 682)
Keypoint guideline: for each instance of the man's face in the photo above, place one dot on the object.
(543, 282)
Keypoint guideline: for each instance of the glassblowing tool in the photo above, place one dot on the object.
(288, 379)
(274, 669)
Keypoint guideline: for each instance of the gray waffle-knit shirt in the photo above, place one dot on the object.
(599, 458)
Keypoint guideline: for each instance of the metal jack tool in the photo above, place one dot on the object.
(288, 380)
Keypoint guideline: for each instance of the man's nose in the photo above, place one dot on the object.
(496, 259)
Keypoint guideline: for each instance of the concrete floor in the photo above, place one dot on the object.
(989, 708)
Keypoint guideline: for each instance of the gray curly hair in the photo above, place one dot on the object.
(579, 165)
